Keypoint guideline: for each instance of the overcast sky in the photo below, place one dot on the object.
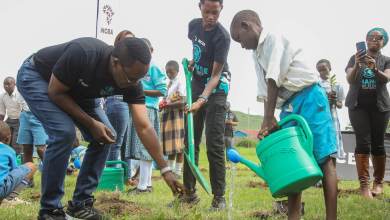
(324, 29)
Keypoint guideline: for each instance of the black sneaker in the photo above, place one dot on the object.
(55, 214)
(218, 203)
(136, 191)
(85, 211)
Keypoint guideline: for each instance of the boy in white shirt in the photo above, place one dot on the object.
(292, 86)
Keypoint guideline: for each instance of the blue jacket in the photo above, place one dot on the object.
(155, 79)
(7, 161)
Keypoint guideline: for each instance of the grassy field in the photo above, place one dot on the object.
(250, 201)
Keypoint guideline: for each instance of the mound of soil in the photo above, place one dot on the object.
(112, 203)
(261, 214)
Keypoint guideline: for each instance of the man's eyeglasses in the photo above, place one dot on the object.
(125, 74)
(374, 38)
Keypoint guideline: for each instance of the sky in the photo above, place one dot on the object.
(323, 29)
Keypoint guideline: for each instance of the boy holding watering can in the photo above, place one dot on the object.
(286, 82)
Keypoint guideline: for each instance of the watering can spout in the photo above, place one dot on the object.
(235, 157)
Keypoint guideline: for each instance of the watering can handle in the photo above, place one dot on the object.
(124, 165)
(305, 127)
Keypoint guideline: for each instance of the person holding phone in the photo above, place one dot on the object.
(368, 102)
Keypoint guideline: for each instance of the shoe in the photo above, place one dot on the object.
(379, 163)
(14, 201)
(189, 198)
(55, 214)
(85, 211)
(362, 166)
(136, 191)
(218, 203)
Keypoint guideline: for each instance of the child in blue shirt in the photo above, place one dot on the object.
(13, 178)
(285, 81)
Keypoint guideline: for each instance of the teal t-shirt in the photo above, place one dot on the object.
(7, 161)
(155, 79)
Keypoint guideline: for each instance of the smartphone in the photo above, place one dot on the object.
(361, 46)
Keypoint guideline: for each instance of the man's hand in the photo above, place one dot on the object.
(101, 133)
(176, 187)
(195, 106)
(268, 126)
(371, 63)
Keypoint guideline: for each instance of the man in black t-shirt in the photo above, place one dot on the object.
(210, 86)
(60, 84)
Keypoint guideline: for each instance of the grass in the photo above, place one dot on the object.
(249, 202)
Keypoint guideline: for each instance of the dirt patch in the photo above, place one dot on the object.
(261, 214)
(347, 192)
(35, 196)
(256, 184)
(203, 169)
(112, 203)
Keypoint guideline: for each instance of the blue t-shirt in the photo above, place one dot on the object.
(155, 79)
(7, 161)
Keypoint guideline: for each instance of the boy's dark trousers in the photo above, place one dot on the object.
(212, 114)
(14, 126)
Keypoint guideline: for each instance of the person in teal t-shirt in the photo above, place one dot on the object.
(155, 86)
(13, 178)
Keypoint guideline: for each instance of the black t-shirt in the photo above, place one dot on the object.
(209, 47)
(368, 83)
(83, 65)
(229, 129)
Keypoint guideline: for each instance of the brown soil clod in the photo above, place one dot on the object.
(35, 196)
(112, 203)
(256, 184)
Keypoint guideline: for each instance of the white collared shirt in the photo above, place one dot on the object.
(276, 58)
(10, 105)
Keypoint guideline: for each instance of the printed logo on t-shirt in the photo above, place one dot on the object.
(368, 79)
(197, 53)
(107, 91)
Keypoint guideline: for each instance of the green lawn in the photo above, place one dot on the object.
(249, 199)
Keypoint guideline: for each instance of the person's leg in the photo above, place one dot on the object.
(179, 164)
(14, 126)
(379, 124)
(118, 114)
(171, 161)
(188, 178)
(94, 159)
(27, 153)
(38, 134)
(215, 129)
(145, 172)
(360, 121)
(60, 129)
(17, 180)
(294, 206)
(329, 183)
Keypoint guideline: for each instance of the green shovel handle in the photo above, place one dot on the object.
(301, 122)
(190, 120)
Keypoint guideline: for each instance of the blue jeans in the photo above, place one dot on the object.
(60, 128)
(118, 114)
(13, 179)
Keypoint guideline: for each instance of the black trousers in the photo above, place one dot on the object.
(213, 115)
(370, 126)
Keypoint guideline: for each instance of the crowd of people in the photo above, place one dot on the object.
(128, 110)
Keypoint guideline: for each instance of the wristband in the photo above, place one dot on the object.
(165, 170)
(203, 97)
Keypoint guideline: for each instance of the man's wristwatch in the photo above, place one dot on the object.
(205, 98)
(165, 170)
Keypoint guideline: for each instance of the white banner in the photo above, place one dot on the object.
(107, 24)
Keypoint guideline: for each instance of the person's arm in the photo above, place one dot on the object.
(269, 123)
(58, 93)
(153, 93)
(382, 76)
(150, 140)
(178, 103)
(353, 67)
(2, 109)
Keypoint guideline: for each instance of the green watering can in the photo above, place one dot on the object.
(287, 162)
(190, 155)
(113, 178)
